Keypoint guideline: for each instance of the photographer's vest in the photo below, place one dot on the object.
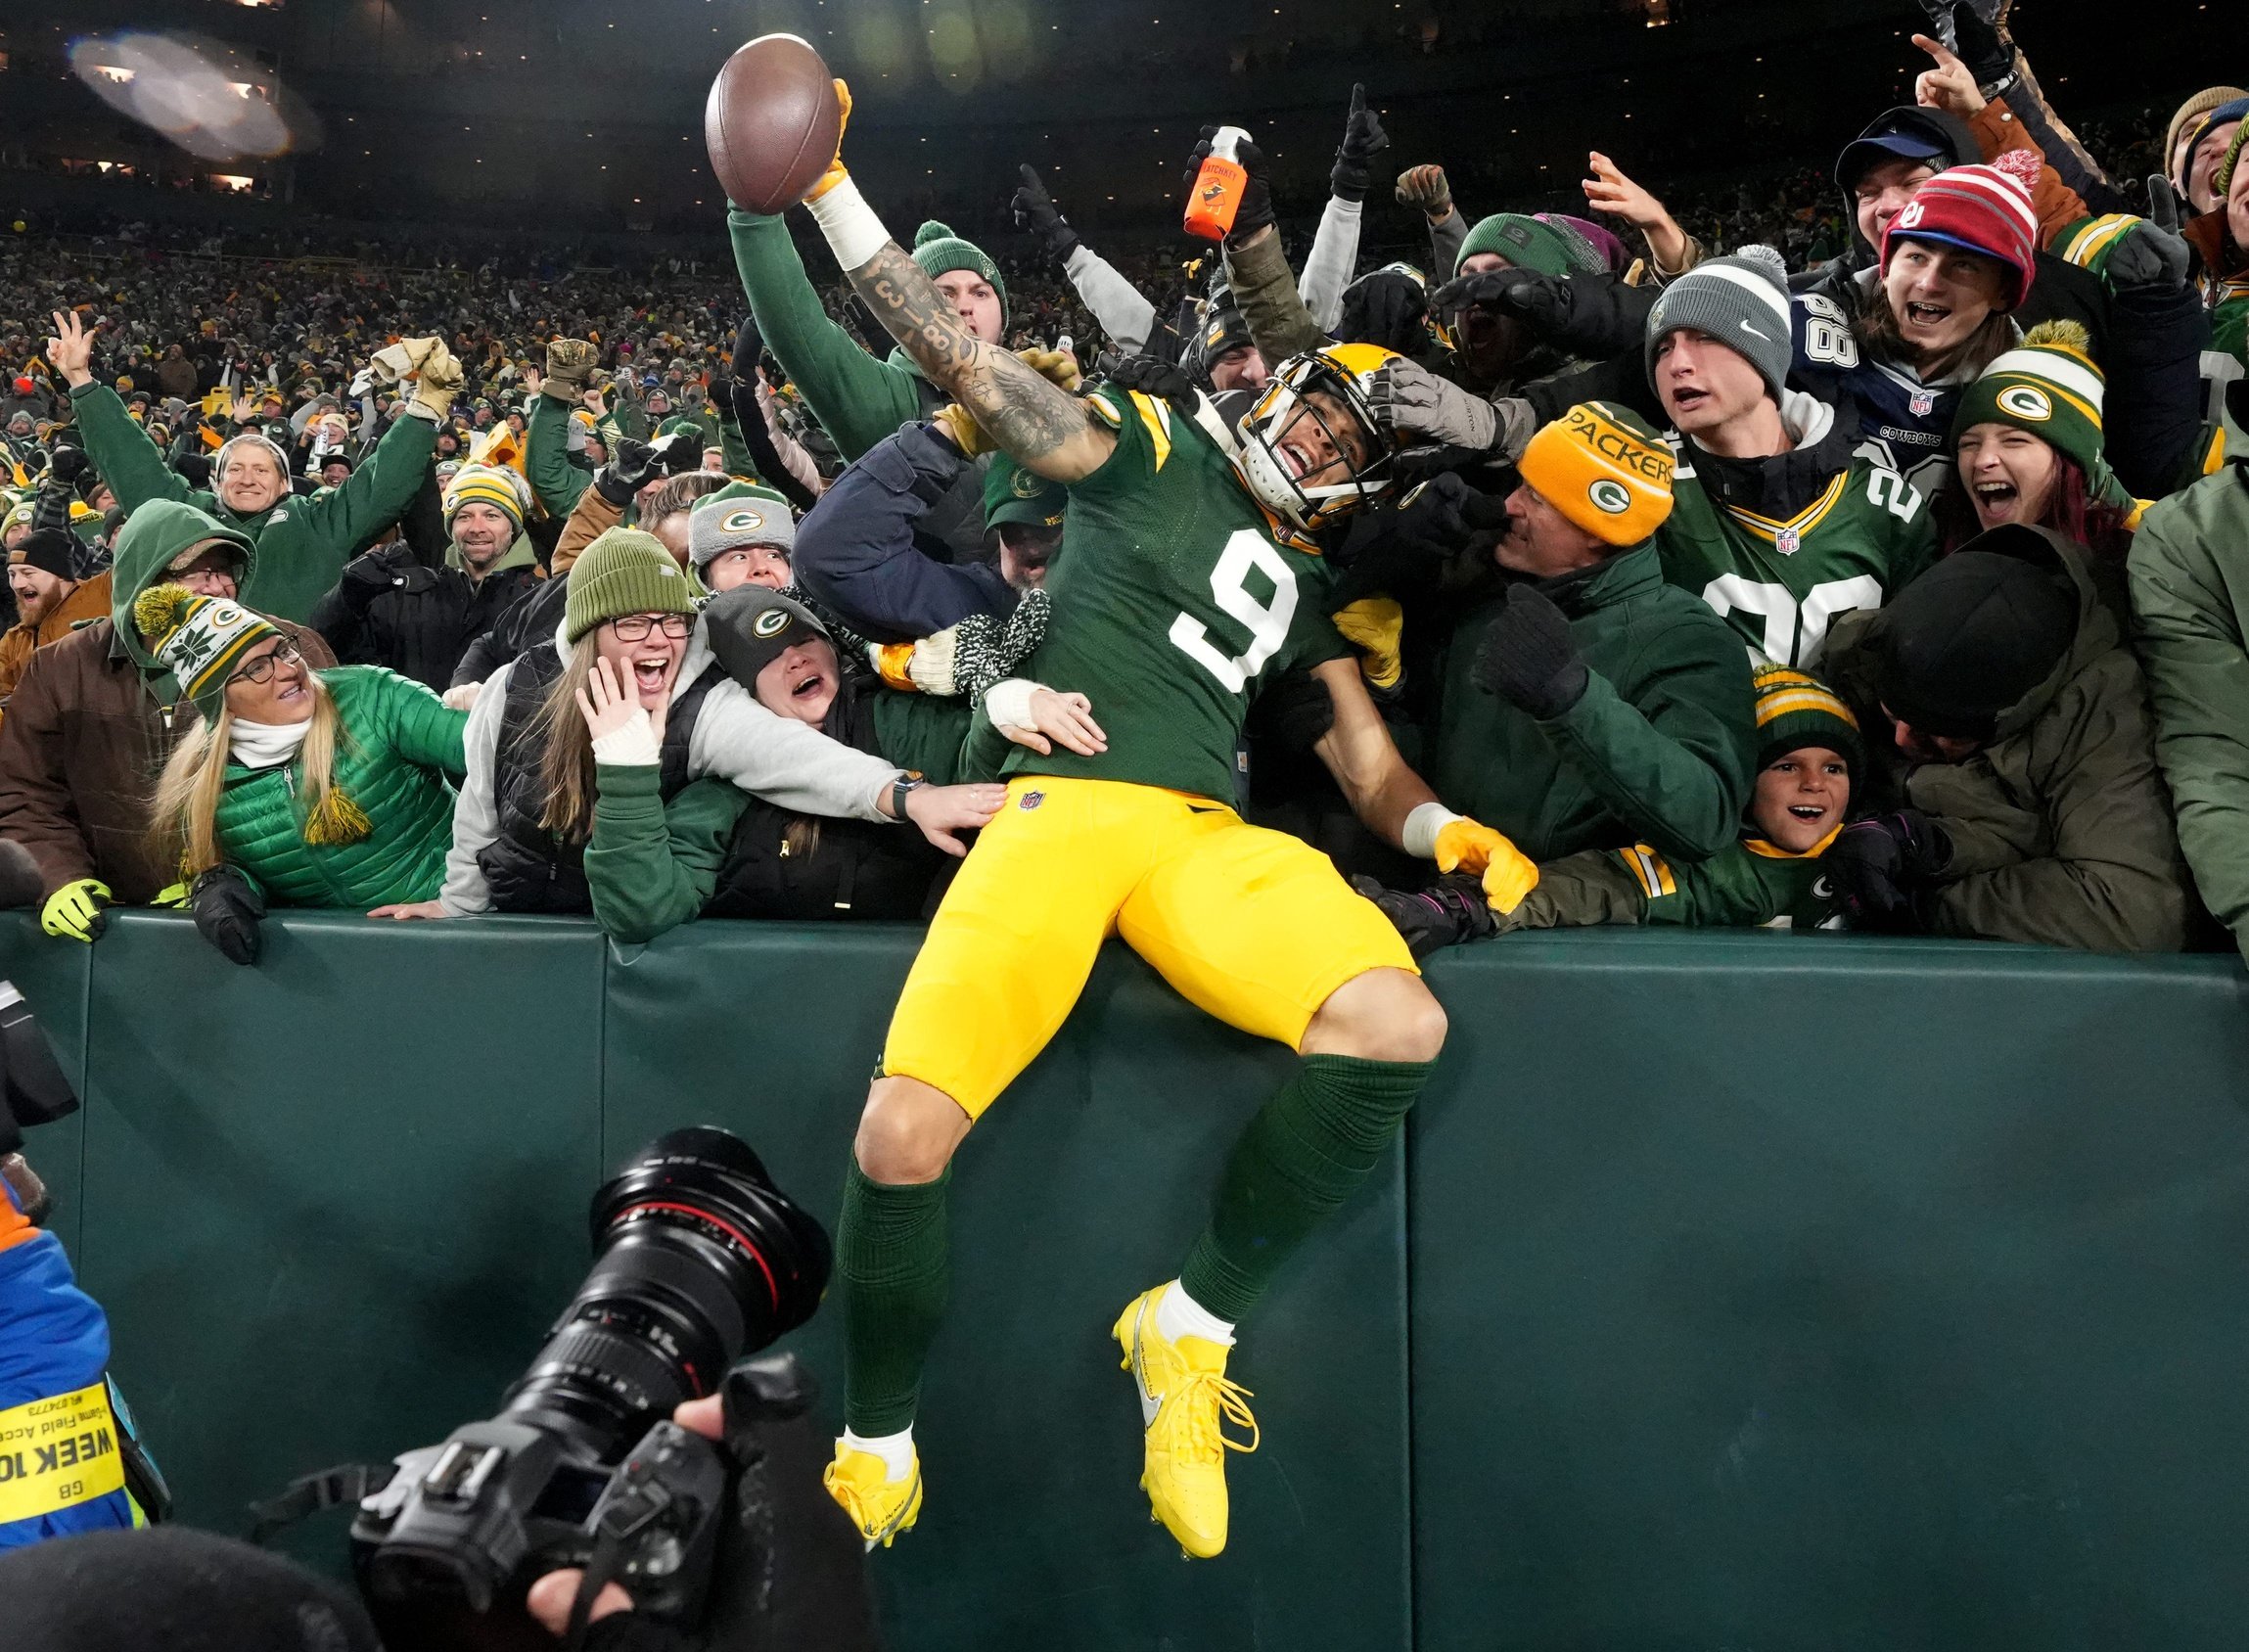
(524, 867)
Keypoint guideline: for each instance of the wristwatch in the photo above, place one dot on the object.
(906, 782)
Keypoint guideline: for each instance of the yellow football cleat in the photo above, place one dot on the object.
(1185, 1399)
(879, 1506)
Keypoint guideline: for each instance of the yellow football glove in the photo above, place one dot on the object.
(890, 661)
(1376, 627)
(958, 422)
(1509, 875)
(834, 175)
(1060, 366)
(74, 912)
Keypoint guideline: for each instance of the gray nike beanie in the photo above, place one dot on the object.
(1741, 301)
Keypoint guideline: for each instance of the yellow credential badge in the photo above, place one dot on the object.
(58, 1451)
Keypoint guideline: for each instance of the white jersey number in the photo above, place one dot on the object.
(1267, 620)
(1794, 632)
(1828, 340)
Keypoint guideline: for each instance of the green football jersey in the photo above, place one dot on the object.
(1173, 600)
(1782, 584)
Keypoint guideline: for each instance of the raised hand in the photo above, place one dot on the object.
(1950, 86)
(71, 352)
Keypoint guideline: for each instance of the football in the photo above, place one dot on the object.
(771, 123)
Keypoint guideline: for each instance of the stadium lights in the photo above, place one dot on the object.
(1659, 11)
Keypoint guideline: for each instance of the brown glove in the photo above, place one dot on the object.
(1425, 187)
(569, 363)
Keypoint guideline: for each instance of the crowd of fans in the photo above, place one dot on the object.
(1861, 547)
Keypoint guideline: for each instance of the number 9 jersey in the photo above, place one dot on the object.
(1173, 597)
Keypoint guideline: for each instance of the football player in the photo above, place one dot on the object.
(1189, 577)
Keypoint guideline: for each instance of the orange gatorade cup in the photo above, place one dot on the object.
(1219, 186)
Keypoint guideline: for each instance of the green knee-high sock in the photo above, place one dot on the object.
(1300, 1158)
(890, 1255)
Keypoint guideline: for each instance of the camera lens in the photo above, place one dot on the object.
(698, 1260)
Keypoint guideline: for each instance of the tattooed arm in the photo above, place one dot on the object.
(1043, 427)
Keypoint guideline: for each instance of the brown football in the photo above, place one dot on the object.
(771, 123)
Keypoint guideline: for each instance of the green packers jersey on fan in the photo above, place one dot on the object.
(1172, 601)
(1782, 584)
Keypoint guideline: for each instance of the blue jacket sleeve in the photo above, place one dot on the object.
(855, 551)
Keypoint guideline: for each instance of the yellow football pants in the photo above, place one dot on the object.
(1252, 925)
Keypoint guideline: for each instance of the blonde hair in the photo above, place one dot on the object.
(566, 749)
(185, 811)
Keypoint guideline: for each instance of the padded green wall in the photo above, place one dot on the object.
(1734, 1290)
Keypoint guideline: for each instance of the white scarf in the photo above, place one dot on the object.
(258, 745)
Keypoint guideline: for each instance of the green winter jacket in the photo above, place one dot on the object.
(2061, 833)
(302, 544)
(1747, 883)
(859, 399)
(2189, 579)
(546, 457)
(397, 748)
(1659, 750)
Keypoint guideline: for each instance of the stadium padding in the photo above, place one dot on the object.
(1734, 1288)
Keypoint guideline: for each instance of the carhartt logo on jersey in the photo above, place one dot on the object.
(1611, 497)
(2026, 402)
(1031, 800)
(769, 624)
(1922, 402)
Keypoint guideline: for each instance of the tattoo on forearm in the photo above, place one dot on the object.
(1027, 414)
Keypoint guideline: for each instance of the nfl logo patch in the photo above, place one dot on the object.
(1030, 800)
(1788, 541)
(1923, 403)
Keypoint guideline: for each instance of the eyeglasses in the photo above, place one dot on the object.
(635, 627)
(261, 669)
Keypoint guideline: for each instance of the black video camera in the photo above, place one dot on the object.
(697, 1259)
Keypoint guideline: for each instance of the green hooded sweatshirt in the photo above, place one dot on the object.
(303, 543)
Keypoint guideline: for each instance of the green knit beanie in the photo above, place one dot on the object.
(938, 250)
(2047, 386)
(624, 572)
(1531, 244)
(1795, 710)
(1012, 493)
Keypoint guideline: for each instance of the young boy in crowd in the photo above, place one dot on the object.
(1807, 754)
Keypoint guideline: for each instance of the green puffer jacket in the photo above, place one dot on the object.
(302, 544)
(2189, 573)
(1659, 750)
(1749, 883)
(396, 750)
(2061, 833)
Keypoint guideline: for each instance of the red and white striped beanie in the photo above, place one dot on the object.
(1983, 209)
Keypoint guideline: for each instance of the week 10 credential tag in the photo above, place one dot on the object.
(58, 1451)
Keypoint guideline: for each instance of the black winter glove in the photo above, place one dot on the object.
(1362, 140)
(1165, 381)
(1256, 211)
(1396, 550)
(748, 343)
(1529, 658)
(1976, 32)
(789, 1569)
(632, 467)
(1389, 308)
(1036, 212)
(680, 452)
(1451, 910)
(383, 568)
(226, 912)
(2151, 253)
(1881, 870)
(1294, 709)
(68, 464)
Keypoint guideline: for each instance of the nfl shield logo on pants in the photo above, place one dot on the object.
(1787, 541)
(1924, 403)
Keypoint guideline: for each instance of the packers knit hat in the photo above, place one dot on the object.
(1984, 209)
(749, 626)
(2047, 386)
(1527, 242)
(1602, 467)
(738, 513)
(939, 251)
(624, 572)
(51, 550)
(2193, 115)
(200, 640)
(487, 485)
(1795, 710)
(1741, 301)
(1012, 493)
(1969, 638)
